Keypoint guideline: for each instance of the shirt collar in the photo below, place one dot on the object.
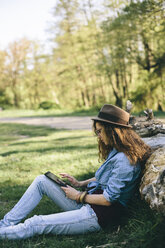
(112, 153)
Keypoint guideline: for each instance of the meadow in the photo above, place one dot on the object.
(27, 151)
(63, 112)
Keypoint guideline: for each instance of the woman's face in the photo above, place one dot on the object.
(100, 132)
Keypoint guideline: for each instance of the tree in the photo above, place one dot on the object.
(109, 51)
(133, 37)
(16, 62)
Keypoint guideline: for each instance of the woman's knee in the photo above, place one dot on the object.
(33, 221)
(40, 178)
(40, 182)
(36, 225)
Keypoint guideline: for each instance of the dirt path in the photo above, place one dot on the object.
(70, 123)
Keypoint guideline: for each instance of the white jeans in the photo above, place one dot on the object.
(78, 218)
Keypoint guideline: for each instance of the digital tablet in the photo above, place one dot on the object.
(55, 179)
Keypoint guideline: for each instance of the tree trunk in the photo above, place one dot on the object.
(152, 186)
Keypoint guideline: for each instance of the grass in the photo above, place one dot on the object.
(27, 151)
(60, 113)
(47, 113)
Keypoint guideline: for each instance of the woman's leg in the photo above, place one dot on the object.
(40, 186)
(78, 221)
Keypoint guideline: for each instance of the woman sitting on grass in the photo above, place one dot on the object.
(108, 192)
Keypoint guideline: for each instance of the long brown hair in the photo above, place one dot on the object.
(124, 140)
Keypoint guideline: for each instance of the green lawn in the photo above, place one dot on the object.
(61, 112)
(27, 151)
(46, 113)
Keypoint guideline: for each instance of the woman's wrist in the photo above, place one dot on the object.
(80, 183)
(85, 183)
(80, 198)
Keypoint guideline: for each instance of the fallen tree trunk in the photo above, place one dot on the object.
(147, 128)
(152, 186)
(156, 141)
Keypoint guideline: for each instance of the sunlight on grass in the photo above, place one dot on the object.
(62, 112)
(58, 151)
(47, 113)
(28, 113)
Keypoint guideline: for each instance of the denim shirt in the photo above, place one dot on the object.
(117, 177)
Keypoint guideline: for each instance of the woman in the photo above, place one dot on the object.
(108, 192)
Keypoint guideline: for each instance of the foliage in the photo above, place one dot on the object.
(27, 151)
(48, 105)
(4, 100)
(104, 52)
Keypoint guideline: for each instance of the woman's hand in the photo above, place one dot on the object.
(97, 199)
(70, 192)
(71, 179)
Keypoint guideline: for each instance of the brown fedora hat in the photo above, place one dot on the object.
(113, 114)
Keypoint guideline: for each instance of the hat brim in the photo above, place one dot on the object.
(114, 123)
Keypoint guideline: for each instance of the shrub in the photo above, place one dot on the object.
(49, 105)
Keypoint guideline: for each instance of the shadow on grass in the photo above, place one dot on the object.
(54, 140)
(45, 150)
(27, 130)
(9, 131)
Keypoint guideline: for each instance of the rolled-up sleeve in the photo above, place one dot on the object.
(121, 175)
